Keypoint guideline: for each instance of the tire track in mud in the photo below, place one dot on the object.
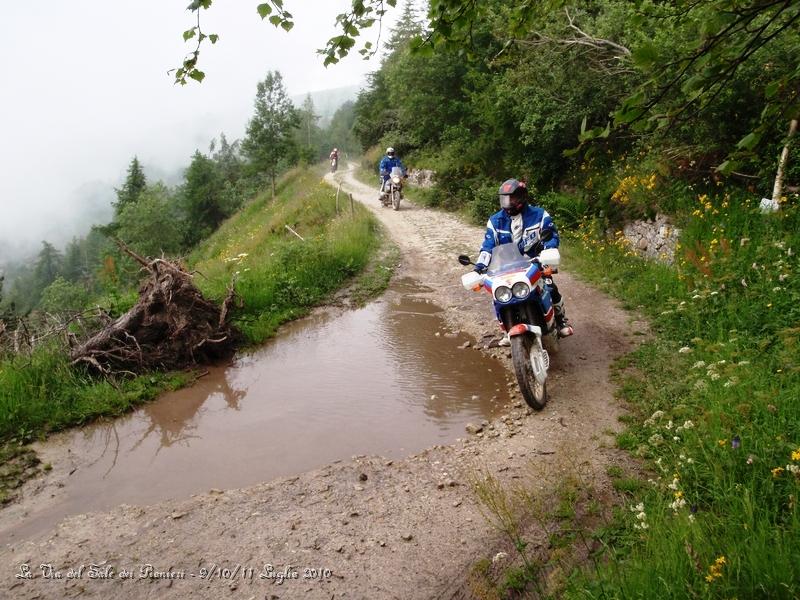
(406, 529)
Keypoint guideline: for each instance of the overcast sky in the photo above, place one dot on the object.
(85, 87)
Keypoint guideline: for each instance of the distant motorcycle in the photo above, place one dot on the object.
(393, 189)
(521, 297)
(334, 164)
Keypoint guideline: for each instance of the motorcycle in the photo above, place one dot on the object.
(334, 164)
(519, 291)
(393, 189)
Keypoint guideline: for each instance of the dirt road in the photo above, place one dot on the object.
(368, 527)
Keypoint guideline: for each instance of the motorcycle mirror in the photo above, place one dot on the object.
(464, 260)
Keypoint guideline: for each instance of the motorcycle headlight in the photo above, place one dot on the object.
(396, 179)
(503, 294)
(521, 290)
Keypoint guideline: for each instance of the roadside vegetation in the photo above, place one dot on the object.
(713, 407)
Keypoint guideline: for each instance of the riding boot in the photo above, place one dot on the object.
(562, 322)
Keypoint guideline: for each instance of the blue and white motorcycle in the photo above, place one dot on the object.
(522, 302)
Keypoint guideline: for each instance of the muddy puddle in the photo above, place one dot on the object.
(377, 380)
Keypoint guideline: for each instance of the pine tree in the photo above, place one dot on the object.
(408, 27)
(47, 268)
(134, 185)
(202, 198)
(270, 132)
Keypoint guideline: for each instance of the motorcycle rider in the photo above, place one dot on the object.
(334, 156)
(388, 162)
(517, 221)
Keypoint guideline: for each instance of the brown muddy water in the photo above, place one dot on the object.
(377, 380)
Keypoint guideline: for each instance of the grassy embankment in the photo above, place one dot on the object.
(280, 278)
(713, 415)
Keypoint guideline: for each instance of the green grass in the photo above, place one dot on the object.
(714, 409)
(280, 278)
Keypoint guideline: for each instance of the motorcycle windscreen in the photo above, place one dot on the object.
(397, 172)
(507, 257)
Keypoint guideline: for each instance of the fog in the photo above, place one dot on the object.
(85, 88)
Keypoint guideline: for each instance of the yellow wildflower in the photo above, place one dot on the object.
(796, 454)
(776, 472)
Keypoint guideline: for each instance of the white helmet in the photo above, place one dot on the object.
(390, 151)
(335, 149)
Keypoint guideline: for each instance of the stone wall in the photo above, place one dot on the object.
(654, 239)
(423, 178)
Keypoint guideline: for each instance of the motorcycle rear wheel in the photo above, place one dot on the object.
(396, 199)
(535, 393)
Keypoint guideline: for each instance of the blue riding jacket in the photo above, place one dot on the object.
(535, 220)
(387, 164)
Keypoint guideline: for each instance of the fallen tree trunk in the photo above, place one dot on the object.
(171, 326)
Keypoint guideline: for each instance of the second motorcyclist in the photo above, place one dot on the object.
(519, 222)
(388, 162)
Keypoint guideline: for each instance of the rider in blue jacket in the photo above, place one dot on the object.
(517, 221)
(387, 163)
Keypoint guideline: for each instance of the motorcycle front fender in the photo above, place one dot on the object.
(524, 328)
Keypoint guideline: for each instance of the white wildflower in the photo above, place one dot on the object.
(688, 424)
(655, 439)
(714, 376)
(669, 424)
(793, 469)
(684, 350)
(675, 484)
(699, 364)
(678, 504)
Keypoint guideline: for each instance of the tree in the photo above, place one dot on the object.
(227, 157)
(202, 198)
(269, 138)
(135, 183)
(308, 120)
(48, 265)
(340, 133)
(408, 28)
(152, 225)
(63, 295)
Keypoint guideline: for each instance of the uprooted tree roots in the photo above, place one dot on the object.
(171, 326)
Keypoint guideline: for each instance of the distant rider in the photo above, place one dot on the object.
(388, 162)
(334, 158)
(519, 222)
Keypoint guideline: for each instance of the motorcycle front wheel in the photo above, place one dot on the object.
(396, 199)
(535, 393)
